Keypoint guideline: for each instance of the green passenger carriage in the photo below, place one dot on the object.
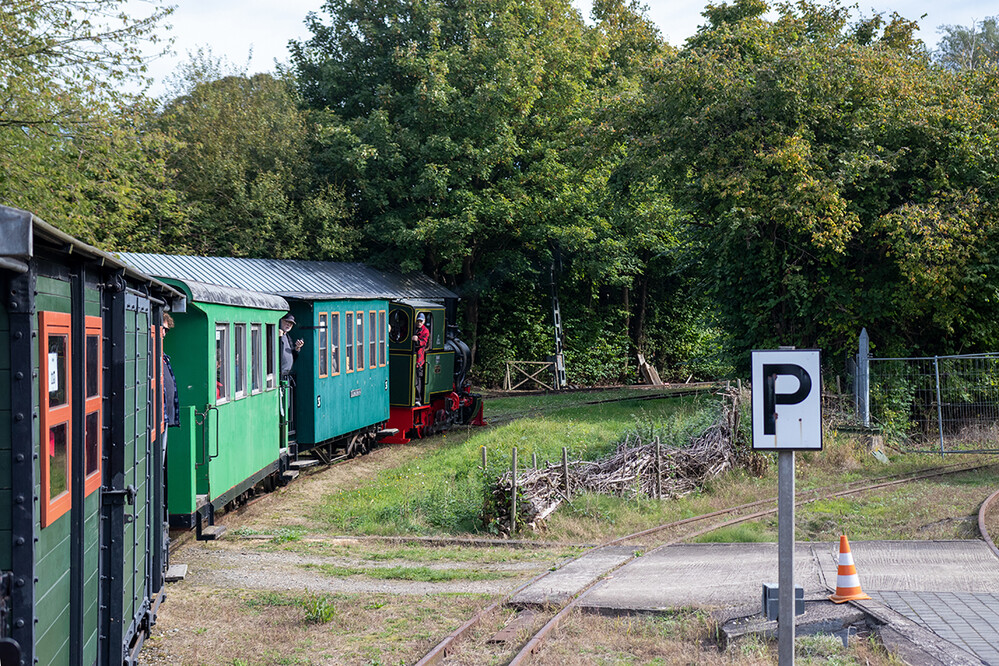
(224, 354)
(83, 540)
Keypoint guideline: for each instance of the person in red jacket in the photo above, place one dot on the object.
(422, 339)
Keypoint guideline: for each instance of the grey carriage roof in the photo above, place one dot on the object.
(213, 293)
(308, 280)
(19, 229)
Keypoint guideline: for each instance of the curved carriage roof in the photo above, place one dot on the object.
(218, 295)
(292, 278)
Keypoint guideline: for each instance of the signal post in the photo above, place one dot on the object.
(787, 417)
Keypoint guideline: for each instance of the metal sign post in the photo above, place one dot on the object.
(787, 417)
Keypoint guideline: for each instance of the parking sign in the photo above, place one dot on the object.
(787, 400)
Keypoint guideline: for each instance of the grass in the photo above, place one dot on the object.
(534, 405)
(442, 492)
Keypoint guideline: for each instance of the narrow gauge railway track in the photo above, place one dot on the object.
(679, 531)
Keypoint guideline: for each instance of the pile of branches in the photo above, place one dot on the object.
(637, 468)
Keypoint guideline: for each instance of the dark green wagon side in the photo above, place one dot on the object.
(83, 541)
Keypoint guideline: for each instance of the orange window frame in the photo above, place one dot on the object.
(154, 382)
(334, 339)
(95, 404)
(55, 324)
(373, 339)
(382, 346)
(349, 342)
(321, 346)
(359, 341)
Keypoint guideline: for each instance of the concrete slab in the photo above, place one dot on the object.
(702, 575)
(560, 586)
(926, 566)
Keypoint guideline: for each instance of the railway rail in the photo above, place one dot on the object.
(680, 531)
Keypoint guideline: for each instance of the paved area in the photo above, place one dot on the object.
(967, 619)
(948, 587)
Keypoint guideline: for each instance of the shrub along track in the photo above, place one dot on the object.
(678, 532)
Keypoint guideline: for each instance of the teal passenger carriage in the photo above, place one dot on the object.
(83, 544)
(341, 374)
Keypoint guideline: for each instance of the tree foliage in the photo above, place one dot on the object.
(72, 144)
(240, 163)
(834, 178)
(464, 133)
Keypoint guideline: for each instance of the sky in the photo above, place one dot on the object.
(235, 28)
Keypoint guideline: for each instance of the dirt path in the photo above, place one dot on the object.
(277, 589)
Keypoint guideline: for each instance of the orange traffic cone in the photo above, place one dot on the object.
(847, 582)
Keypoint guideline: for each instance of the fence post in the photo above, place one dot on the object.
(483, 460)
(506, 379)
(936, 369)
(513, 494)
(659, 469)
(565, 470)
(862, 387)
(534, 461)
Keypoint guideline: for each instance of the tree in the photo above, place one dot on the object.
(448, 125)
(71, 142)
(969, 47)
(239, 160)
(833, 178)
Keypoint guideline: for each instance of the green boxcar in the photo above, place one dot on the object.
(342, 372)
(224, 354)
(83, 541)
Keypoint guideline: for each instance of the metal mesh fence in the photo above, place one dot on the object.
(940, 404)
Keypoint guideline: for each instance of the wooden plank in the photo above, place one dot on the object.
(518, 627)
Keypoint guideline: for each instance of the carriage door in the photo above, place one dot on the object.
(129, 494)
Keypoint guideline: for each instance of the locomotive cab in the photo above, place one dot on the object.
(438, 379)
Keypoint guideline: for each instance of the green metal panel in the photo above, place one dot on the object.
(401, 369)
(336, 404)
(53, 547)
(439, 375)
(181, 460)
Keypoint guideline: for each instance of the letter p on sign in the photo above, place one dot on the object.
(787, 401)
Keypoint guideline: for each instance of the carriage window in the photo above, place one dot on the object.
(256, 359)
(221, 363)
(57, 370)
(322, 350)
(381, 337)
(56, 417)
(350, 342)
(372, 338)
(240, 365)
(398, 325)
(360, 341)
(92, 451)
(270, 356)
(335, 342)
(93, 364)
(58, 462)
(92, 425)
